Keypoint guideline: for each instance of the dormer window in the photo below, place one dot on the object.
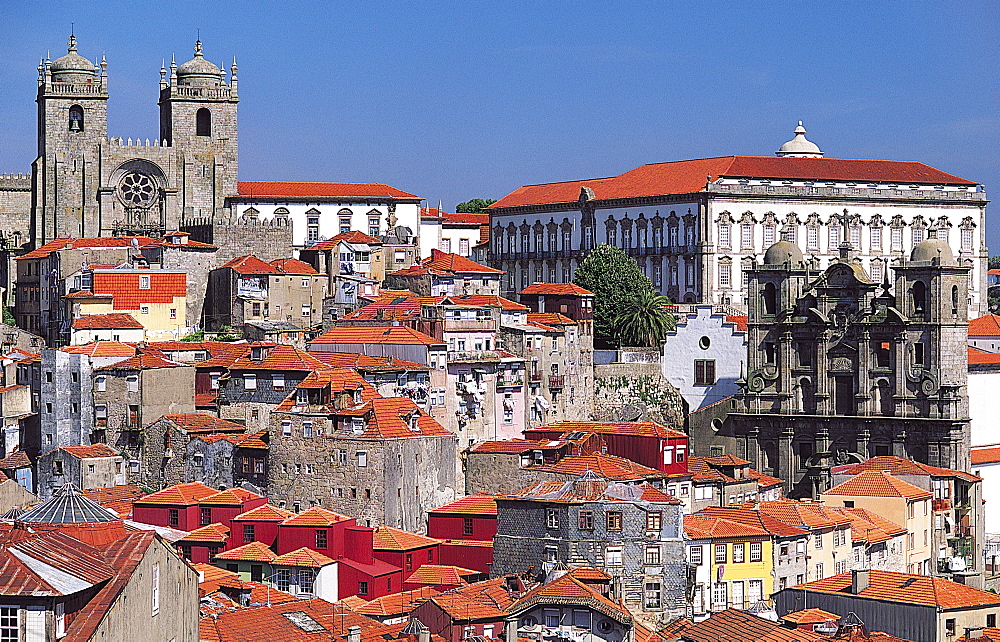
(257, 353)
(143, 281)
(301, 396)
(357, 425)
(357, 396)
(413, 422)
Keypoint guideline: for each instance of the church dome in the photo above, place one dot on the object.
(783, 252)
(198, 71)
(800, 146)
(72, 67)
(931, 249)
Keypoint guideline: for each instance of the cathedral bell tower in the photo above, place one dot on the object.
(72, 123)
(198, 115)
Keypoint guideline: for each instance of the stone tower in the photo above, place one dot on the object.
(72, 124)
(198, 115)
(87, 184)
(842, 368)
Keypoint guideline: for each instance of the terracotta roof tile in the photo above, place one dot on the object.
(607, 466)
(351, 190)
(558, 289)
(262, 623)
(391, 335)
(278, 357)
(739, 321)
(16, 459)
(550, 318)
(201, 422)
(980, 455)
(703, 527)
(146, 360)
(93, 451)
(745, 626)
(909, 589)
(211, 533)
(900, 466)
(187, 494)
(456, 264)
(479, 504)
(754, 518)
(363, 362)
(302, 557)
(570, 590)
(83, 243)
(512, 446)
(387, 538)
(293, 266)
(487, 600)
(124, 492)
(397, 603)
(441, 575)
(873, 483)
(123, 285)
(113, 321)
(977, 357)
(985, 326)
(249, 264)
(316, 516)
(244, 440)
(385, 418)
(265, 513)
(689, 176)
(102, 349)
(805, 515)
(639, 428)
(252, 552)
(810, 616)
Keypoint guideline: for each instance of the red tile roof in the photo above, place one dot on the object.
(263, 623)
(302, 557)
(482, 300)
(392, 335)
(84, 243)
(487, 600)
(252, 552)
(16, 459)
(254, 441)
(478, 504)
(114, 493)
(701, 527)
(293, 266)
(810, 616)
(187, 494)
(354, 236)
(385, 419)
(316, 516)
(265, 513)
(146, 360)
(363, 362)
(901, 466)
(201, 422)
(875, 483)
(441, 575)
(512, 446)
(570, 590)
(102, 349)
(980, 455)
(592, 490)
(92, 451)
(558, 289)
(350, 190)
(550, 318)
(985, 326)
(250, 264)
(978, 357)
(733, 624)
(397, 603)
(277, 357)
(387, 538)
(739, 321)
(909, 589)
(211, 533)
(456, 264)
(756, 518)
(607, 466)
(638, 428)
(123, 285)
(691, 176)
(112, 321)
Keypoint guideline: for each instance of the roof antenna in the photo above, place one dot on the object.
(72, 28)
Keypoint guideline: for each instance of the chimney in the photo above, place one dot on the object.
(424, 635)
(973, 632)
(354, 634)
(859, 580)
(358, 543)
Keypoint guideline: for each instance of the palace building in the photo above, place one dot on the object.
(696, 227)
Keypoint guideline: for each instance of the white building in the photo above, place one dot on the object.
(694, 226)
(454, 232)
(319, 211)
(704, 356)
(986, 464)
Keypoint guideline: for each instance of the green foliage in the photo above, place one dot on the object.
(617, 283)
(194, 336)
(475, 206)
(8, 316)
(994, 263)
(644, 321)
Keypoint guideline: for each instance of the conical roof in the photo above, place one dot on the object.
(413, 627)
(13, 513)
(68, 506)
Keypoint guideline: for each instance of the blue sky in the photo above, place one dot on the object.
(455, 100)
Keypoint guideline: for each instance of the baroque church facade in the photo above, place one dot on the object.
(86, 184)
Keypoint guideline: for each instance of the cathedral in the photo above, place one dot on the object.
(86, 184)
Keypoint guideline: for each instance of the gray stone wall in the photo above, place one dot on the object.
(67, 401)
(267, 240)
(156, 470)
(636, 392)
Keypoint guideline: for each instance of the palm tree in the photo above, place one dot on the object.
(644, 320)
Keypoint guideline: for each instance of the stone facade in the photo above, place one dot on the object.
(636, 392)
(67, 400)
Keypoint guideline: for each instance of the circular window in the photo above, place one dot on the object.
(605, 626)
(716, 424)
(137, 190)
(704, 343)
(528, 621)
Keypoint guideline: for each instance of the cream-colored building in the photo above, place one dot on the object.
(898, 501)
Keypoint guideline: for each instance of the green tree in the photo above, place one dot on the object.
(617, 283)
(475, 206)
(644, 320)
(994, 263)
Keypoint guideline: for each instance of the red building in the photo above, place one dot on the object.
(258, 525)
(475, 610)
(316, 528)
(466, 528)
(405, 550)
(202, 544)
(645, 443)
(190, 506)
(359, 573)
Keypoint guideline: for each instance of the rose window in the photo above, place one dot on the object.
(137, 190)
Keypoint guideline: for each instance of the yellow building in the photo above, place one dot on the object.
(157, 299)
(734, 562)
(829, 547)
(899, 502)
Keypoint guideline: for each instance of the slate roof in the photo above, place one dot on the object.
(907, 588)
(68, 506)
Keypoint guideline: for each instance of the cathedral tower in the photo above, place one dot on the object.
(198, 115)
(72, 123)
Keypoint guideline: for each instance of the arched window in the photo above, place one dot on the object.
(954, 300)
(203, 122)
(883, 398)
(918, 294)
(807, 398)
(76, 118)
(770, 296)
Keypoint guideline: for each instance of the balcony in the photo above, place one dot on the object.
(556, 381)
(941, 504)
(473, 355)
(458, 325)
(504, 382)
(535, 377)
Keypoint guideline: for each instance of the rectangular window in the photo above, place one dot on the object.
(654, 521)
(856, 237)
(144, 309)
(918, 354)
(725, 231)
(614, 520)
(174, 517)
(10, 627)
(967, 239)
(133, 383)
(446, 246)
(818, 540)
(768, 236)
(467, 526)
(704, 372)
(144, 282)
(551, 618)
(613, 556)
(756, 552)
(278, 381)
(581, 618)
(100, 383)
(653, 600)
(373, 226)
(306, 310)
(321, 540)
(812, 237)
(248, 533)
(307, 429)
(307, 579)
(721, 557)
(652, 556)
(286, 428)
(917, 235)
(155, 592)
(819, 571)
(586, 520)
(738, 551)
(834, 236)
(250, 382)
(362, 458)
(695, 555)
(876, 238)
(206, 516)
(345, 224)
(896, 239)
(725, 275)
(551, 518)
(362, 588)
(463, 247)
